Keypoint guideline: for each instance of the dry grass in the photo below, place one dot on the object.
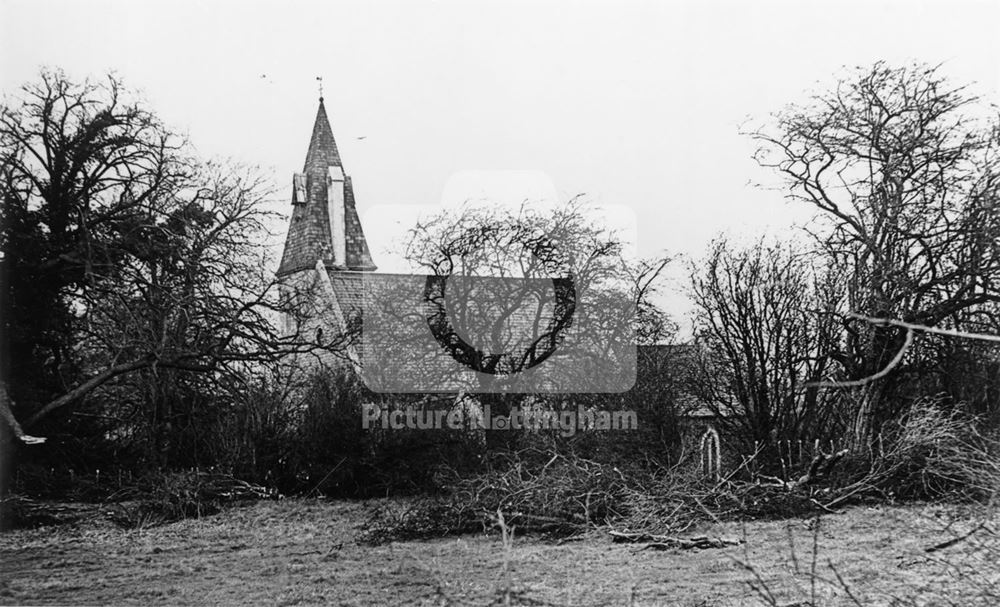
(302, 551)
(305, 552)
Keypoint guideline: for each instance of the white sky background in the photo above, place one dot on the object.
(635, 103)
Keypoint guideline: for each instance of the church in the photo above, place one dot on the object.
(325, 252)
(327, 261)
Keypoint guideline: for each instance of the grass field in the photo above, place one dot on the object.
(305, 552)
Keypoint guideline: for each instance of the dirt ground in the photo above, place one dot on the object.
(304, 552)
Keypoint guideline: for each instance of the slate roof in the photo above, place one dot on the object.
(323, 150)
(349, 289)
(309, 238)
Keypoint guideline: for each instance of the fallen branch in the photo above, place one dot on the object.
(850, 491)
(826, 508)
(665, 542)
(956, 540)
(819, 469)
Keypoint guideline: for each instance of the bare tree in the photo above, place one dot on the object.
(76, 159)
(535, 290)
(520, 253)
(903, 169)
(765, 320)
(123, 257)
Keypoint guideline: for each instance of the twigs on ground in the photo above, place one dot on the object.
(664, 542)
(537, 491)
(957, 540)
(931, 453)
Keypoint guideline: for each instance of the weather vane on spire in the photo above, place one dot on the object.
(320, 79)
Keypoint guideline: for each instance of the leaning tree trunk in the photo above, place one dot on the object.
(860, 430)
(8, 448)
(875, 399)
(869, 416)
(11, 437)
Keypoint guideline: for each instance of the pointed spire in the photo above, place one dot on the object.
(323, 151)
(324, 223)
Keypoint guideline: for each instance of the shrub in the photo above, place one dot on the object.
(163, 497)
(536, 491)
(935, 452)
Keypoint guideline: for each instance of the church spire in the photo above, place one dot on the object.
(325, 224)
(323, 151)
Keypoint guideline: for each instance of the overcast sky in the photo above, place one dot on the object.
(633, 103)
